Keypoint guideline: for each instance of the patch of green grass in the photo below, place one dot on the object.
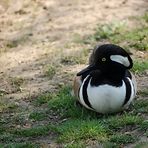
(17, 82)
(140, 103)
(83, 125)
(77, 38)
(2, 128)
(90, 144)
(12, 135)
(79, 127)
(111, 32)
(44, 98)
(119, 33)
(108, 31)
(75, 145)
(19, 118)
(50, 71)
(145, 17)
(21, 145)
(143, 93)
(34, 131)
(6, 106)
(123, 138)
(144, 125)
(118, 122)
(62, 101)
(137, 38)
(64, 105)
(141, 106)
(3, 92)
(37, 116)
(142, 145)
(3, 106)
(7, 137)
(110, 145)
(69, 60)
(140, 66)
(12, 44)
(77, 130)
(3, 121)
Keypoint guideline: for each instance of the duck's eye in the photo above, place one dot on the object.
(103, 59)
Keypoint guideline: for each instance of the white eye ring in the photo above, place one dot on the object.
(103, 59)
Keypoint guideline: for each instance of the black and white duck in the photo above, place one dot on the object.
(106, 85)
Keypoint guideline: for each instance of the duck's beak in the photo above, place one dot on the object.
(86, 70)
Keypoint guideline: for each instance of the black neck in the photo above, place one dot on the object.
(113, 76)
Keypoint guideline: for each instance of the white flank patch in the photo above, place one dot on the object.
(133, 93)
(120, 59)
(81, 95)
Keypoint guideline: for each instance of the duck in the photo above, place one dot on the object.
(106, 85)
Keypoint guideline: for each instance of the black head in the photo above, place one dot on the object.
(108, 58)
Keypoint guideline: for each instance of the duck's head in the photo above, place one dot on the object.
(108, 58)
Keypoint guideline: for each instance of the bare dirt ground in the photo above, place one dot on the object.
(37, 33)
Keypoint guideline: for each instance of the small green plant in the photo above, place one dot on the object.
(43, 98)
(138, 38)
(144, 125)
(123, 138)
(140, 66)
(38, 115)
(12, 44)
(16, 82)
(5, 106)
(145, 17)
(107, 31)
(3, 92)
(50, 71)
(111, 32)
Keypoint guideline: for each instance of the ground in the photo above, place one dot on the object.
(43, 44)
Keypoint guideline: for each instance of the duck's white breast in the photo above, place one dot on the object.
(104, 98)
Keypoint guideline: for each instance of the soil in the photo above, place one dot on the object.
(35, 33)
